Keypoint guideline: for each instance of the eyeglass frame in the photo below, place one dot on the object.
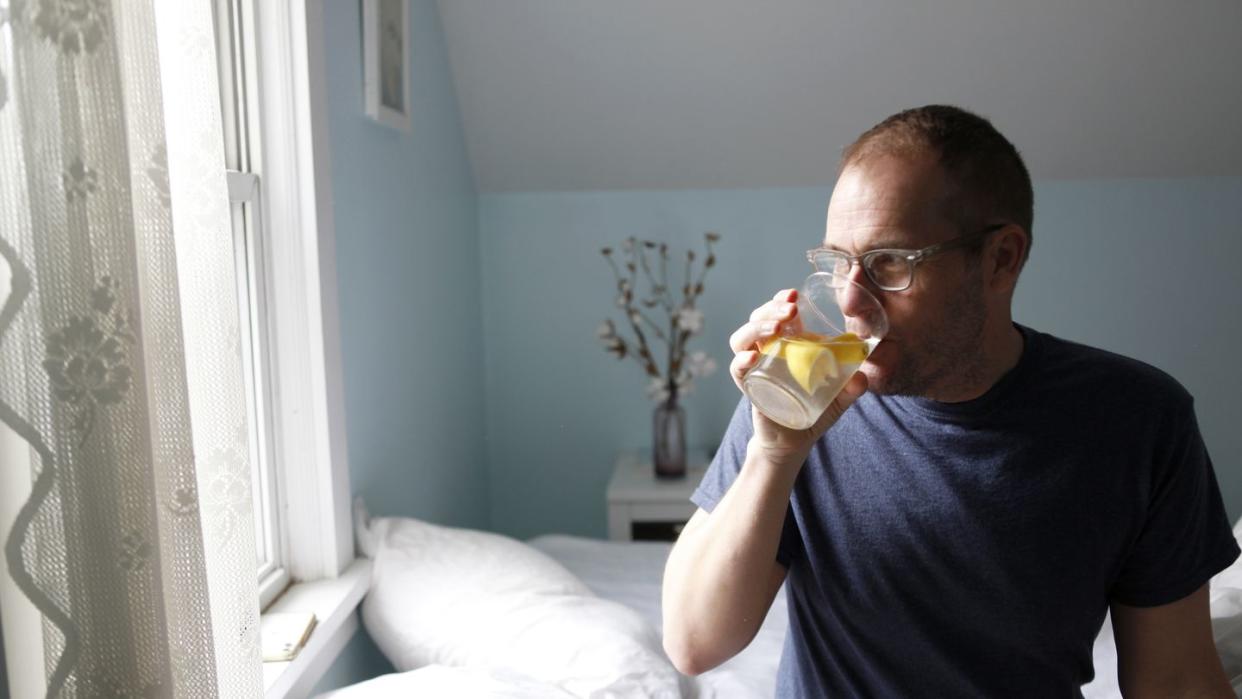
(912, 257)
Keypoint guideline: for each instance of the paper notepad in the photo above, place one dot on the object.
(283, 634)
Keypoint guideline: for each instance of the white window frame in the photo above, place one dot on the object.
(301, 262)
(306, 374)
(301, 268)
(298, 263)
(304, 335)
(239, 90)
(272, 534)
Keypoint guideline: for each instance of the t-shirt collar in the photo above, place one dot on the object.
(984, 404)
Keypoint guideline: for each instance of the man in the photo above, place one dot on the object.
(985, 493)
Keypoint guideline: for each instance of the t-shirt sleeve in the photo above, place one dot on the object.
(727, 462)
(725, 466)
(1186, 538)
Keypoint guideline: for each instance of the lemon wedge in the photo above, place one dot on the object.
(813, 359)
(810, 363)
(774, 347)
(848, 348)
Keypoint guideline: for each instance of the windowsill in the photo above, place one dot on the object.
(333, 601)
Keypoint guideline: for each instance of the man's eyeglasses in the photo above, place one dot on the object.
(890, 270)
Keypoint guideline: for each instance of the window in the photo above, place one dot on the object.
(235, 41)
(273, 101)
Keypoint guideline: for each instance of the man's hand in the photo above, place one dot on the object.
(1167, 651)
(775, 443)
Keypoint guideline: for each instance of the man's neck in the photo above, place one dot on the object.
(1001, 350)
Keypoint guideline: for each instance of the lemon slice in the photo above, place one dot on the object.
(848, 348)
(774, 347)
(810, 363)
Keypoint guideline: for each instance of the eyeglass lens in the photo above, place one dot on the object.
(887, 270)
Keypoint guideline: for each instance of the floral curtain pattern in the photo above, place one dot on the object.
(120, 355)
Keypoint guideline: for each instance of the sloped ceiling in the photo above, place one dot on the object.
(647, 94)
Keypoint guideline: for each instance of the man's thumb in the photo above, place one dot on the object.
(855, 387)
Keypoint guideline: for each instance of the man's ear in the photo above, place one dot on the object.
(1003, 257)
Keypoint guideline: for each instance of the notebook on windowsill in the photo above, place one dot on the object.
(282, 634)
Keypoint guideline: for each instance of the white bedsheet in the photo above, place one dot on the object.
(434, 681)
(630, 573)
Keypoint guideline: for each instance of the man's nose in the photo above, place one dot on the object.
(857, 274)
(852, 297)
(859, 300)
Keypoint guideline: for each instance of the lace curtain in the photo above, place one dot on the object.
(123, 420)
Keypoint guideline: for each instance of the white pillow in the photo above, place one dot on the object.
(1230, 577)
(444, 681)
(459, 597)
(1226, 604)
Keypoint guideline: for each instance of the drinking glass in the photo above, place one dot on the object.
(803, 368)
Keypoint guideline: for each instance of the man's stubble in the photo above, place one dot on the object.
(950, 356)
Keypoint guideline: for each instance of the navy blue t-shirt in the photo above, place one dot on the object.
(971, 549)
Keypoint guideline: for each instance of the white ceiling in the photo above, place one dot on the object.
(656, 94)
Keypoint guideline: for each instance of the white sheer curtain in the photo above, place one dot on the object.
(124, 467)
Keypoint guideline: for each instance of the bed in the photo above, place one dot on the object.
(468, 613)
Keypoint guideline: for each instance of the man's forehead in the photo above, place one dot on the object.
(857, 230)
(889, 206)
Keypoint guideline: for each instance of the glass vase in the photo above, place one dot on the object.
(669, 440)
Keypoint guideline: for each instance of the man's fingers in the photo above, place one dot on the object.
(745, 337)
(774, 310)
(765, 321)
(742, 362)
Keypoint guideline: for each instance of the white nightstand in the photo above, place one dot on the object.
(643, 507)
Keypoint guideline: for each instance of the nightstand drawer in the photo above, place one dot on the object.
(643, 507)
(656, 531)
(662, 512)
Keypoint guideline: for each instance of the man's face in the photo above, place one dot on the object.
(936, 326)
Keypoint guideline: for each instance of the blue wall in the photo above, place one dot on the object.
(1146, 268)
(408, 265)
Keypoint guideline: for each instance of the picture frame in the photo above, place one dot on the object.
(386, 61)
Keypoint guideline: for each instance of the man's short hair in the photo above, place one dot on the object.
(991, 180)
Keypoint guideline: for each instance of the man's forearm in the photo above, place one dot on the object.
(716, 583)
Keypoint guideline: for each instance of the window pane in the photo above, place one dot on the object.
(236, 56)
(245, 306)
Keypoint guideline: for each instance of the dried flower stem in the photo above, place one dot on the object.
(707, 263)
(654, 328)
(676, 338)
(668, 298)
(643, 356)
(658, 288)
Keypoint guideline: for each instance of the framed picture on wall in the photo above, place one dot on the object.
(386, 61)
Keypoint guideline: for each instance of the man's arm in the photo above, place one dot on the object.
(1167, 651)
(722, 575)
